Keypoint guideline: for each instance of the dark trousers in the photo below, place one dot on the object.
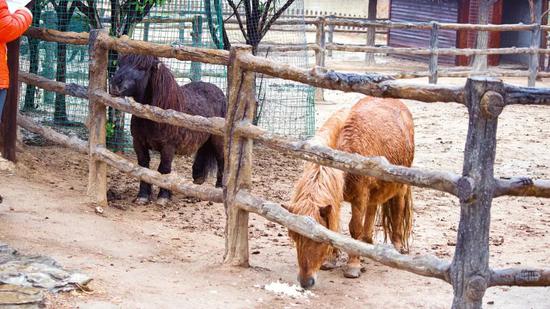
(3, 93)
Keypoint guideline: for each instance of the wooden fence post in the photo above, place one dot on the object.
(469, 270)
(8, 128)
(434, 43)
(97, 116)
(371, 31)
(320, 52)
(534, 56)
(238, 156)
(330, 37)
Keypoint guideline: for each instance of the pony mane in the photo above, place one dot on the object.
(321, 186)
(166, 93)
(141, 62)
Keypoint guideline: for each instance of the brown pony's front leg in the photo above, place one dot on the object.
(358, 208)
(144, 194)
(165, 167)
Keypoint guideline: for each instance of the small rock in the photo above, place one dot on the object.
(99, 210)
(491, 302)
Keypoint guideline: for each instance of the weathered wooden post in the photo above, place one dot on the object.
(434, 43)
(534, 56)
(238, 156)
(371, 31)
(196, 35)
(320, 40)
(330, 37)
(469, 270)
(97, 115)
(8, 129)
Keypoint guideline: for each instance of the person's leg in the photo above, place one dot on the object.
(3, 93)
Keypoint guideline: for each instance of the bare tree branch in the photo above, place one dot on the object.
(267, 7)
(275, 17)
(228, 18)
(238, 16)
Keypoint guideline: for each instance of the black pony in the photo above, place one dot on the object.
(150, 82)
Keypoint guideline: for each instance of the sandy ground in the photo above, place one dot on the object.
(152, 257)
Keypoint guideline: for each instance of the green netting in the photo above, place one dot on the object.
(285, 107)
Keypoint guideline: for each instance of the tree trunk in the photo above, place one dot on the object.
(34, 59)
(60, 111)
(63, 19)
(8, 127)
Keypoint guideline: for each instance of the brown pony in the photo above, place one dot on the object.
(150, 82)
(373, 127)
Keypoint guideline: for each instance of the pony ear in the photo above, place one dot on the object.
(325, 211)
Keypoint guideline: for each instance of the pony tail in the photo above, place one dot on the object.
(406, 221)
(205, 162)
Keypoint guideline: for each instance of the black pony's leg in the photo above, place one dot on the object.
(144, 159)
(165, 167)
(218, 146)
(200, 164)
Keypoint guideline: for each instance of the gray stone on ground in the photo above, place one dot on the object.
(25, 277)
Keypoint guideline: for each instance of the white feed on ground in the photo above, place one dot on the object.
(282, 288)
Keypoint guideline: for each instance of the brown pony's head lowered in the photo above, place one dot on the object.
(318, 195)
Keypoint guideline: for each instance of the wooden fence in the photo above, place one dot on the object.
(326, 26)
(468, 272)
(324, 45)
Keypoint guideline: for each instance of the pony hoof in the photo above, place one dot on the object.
(141, 201)
(352, 272)
(199, 181)
(328, 265)
(162, 201)
(401, 249)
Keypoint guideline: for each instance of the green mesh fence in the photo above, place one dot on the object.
(284, 107)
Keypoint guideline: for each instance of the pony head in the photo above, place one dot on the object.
(133, 75)
(318, 195)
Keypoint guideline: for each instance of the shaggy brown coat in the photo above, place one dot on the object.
(373, 127)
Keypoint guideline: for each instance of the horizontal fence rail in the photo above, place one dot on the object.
(484, 98)
(367, 166)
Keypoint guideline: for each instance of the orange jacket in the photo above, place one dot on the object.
(12, 26)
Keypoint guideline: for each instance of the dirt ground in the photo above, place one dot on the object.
(152, 257)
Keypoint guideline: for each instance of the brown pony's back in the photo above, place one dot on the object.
(379, 127)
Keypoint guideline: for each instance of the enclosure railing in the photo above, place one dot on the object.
(485, 98)
(326, 26)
